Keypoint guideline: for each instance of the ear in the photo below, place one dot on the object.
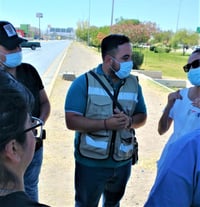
(12, 151)
(2, 58)
(108, 59)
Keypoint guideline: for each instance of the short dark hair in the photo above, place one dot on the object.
(16, 101)
(111, 43)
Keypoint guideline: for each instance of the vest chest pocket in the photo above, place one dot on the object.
(99, 107)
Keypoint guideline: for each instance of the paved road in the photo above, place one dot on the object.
(47, 59)
(56, 180)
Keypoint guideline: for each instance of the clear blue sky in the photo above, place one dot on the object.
(167, 14)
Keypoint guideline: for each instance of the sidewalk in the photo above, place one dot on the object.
(56, 179)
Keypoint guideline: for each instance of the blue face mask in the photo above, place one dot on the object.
(194, 76)
(13, 59)
(124, 70)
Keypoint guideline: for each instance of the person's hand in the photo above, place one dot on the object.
(196, 102)
(119, 120)
(172, 97)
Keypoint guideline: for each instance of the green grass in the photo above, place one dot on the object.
(171, 64)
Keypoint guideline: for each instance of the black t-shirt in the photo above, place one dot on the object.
(29, 76)
(19, 199)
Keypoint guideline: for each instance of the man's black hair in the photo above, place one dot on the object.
(112, 42)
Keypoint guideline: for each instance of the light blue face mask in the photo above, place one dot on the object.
(13, 59)
(194, 76)
(124, 70)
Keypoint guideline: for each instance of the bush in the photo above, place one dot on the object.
(137, 58)
(160, 49)
(152, 48)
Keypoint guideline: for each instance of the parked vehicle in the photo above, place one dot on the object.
(30, 44)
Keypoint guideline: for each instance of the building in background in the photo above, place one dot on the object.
(53, 33)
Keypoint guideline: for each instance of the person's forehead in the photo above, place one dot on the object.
(124, 49)
(194, 57)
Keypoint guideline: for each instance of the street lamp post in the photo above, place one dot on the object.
(111, 23)
(88, 37)
(179, 9)
(39, 15)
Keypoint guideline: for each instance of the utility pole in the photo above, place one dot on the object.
(179, 10)
(89, 24)
(39, 15)
(113, 2)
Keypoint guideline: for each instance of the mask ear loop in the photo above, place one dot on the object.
(112, 68)
(3, 66)
(1, 61)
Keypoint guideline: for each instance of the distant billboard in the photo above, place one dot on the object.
(61, 33)
(61, 30)
(39, 15)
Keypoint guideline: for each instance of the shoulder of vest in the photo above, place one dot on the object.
(134, 77)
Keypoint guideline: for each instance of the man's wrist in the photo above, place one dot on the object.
(130, 122)
(105, 124)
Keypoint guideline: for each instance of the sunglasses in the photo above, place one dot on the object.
(194, 64)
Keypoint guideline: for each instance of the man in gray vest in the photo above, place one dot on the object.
(104, 106)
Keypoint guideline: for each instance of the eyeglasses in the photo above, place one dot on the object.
(37, 127)
(194, 64)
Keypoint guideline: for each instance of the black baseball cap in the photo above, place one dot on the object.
(8, 36)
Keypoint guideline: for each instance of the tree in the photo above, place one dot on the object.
(97, 35)
(185, 38)
(163, 37)
(93, 35)
(138, 33)
(121, 20)
(82, 30)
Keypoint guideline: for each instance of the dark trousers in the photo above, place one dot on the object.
(92, 182)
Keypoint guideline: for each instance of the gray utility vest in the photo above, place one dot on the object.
(102, 144)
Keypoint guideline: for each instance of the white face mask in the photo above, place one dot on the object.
(124, 70)
(13, 59)
(194, 76)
